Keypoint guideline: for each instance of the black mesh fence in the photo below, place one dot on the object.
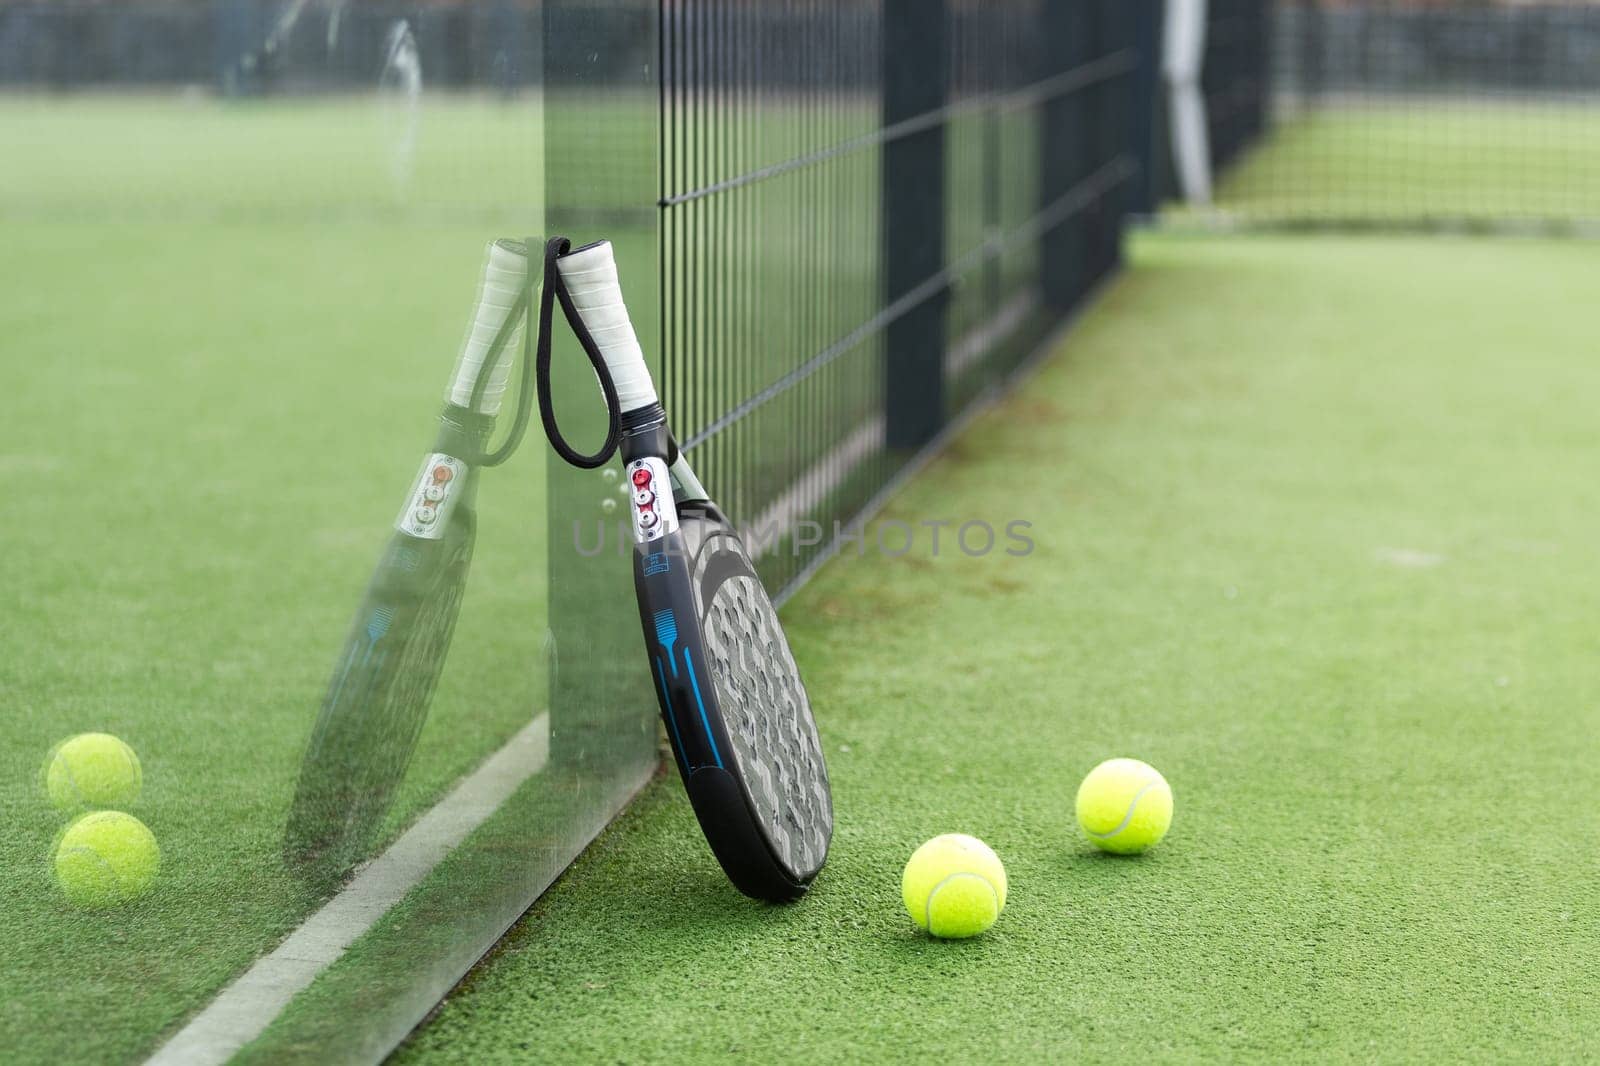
(870, 212)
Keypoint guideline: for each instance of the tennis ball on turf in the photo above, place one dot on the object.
(1124, 806)
(105, 858)
(92, 770)
(954, 886)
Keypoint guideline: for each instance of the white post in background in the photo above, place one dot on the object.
(1183, 57)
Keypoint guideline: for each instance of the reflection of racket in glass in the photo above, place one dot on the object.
(735, 708)
(378, 696)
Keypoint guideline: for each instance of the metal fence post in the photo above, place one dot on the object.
(1063, 155)
(912, 194)
(1146, 92)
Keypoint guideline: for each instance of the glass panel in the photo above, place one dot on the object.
(242, 247)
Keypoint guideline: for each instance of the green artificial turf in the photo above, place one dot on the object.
(1315, 528)
(227, 326)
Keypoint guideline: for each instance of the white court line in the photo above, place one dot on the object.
(819, 479)
(828, 473)
(245, 1008)
(981, 340)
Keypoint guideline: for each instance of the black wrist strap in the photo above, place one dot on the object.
(555, 288)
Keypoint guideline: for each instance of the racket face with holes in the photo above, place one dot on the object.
(759, 693)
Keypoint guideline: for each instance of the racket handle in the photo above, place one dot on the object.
(590, 276)
(505, 273)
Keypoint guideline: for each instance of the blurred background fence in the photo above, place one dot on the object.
(260, 47)
(1380, 111)
(1418, 114)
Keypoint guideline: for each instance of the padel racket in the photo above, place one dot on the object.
(736, 711)
(377, 698)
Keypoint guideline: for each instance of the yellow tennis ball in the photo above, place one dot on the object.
(105, 858)
(92, 770)
(1124, 806)
(954, 886)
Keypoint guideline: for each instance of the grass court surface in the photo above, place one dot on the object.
(1316, 537)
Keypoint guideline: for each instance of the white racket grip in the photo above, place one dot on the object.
(505, 272)
(590, 275)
